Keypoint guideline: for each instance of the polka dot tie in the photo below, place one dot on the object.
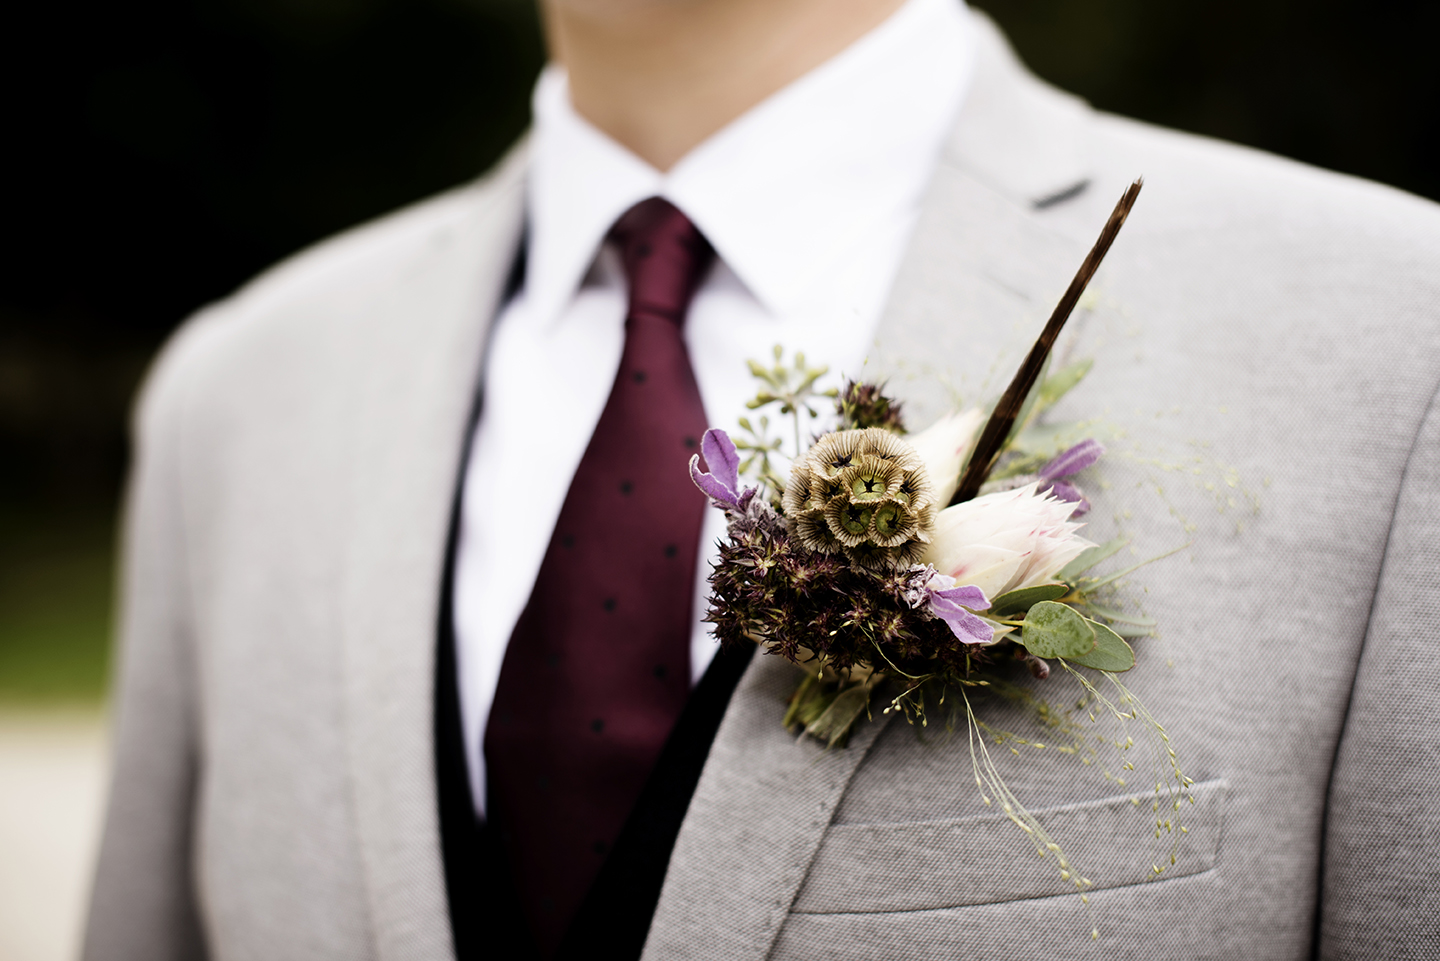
(598, 668)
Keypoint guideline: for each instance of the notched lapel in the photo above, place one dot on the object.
(989, 257)
(982, 274)
(1015, 133)
(754, 825)
(417, 353)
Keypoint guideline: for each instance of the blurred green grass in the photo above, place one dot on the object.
(56, 600)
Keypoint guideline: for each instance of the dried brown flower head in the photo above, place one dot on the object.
(865, 493)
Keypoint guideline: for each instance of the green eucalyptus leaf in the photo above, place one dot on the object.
(1091, 556)
(1058, 385)
(1111, 652)
(834, 726)
(1132, 630)
(1055, 630)
(1012, 602)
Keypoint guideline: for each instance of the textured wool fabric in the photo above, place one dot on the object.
(1382, 833)
(1266, 354)
(1266, 347)
(598, 668)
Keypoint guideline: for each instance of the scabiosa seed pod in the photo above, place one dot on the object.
(865, 493)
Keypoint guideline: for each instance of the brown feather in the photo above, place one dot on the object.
(992, 438)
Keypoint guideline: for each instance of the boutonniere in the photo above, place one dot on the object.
(909, 573)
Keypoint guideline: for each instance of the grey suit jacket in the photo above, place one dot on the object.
(1268, 325)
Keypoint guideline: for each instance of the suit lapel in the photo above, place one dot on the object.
(422, 341)
(982, 272)
(753, 826)
(989, 258)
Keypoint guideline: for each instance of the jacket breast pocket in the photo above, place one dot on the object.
(987, 859)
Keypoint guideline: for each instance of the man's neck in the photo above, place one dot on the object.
(661, 76)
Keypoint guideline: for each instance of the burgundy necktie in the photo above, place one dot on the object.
(598, 668)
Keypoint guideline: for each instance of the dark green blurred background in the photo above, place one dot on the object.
(159, 153)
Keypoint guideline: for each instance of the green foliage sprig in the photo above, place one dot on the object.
(792, 386)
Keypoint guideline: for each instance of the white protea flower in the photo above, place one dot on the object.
(1005, 541)
(944, 445)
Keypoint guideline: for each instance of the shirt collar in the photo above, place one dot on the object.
(781, 189)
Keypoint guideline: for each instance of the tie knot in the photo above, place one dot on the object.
(664, 255)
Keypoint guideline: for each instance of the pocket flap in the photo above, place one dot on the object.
(923, 865)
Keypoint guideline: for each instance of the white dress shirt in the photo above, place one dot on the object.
(808, 198)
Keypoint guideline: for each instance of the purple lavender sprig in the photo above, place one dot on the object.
(721, 483)
(1073, 461)
(955, 605)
